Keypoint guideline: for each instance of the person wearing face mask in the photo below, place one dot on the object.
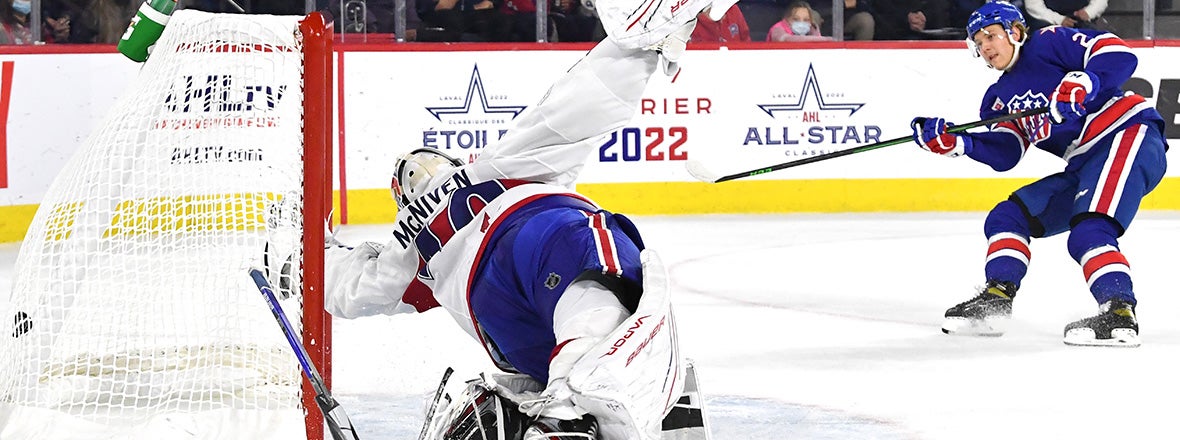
(799, 23)
(14, 27)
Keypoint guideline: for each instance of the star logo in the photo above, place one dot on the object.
(1027, 101)
(810, 89)
(1052, 29)
(476, 94)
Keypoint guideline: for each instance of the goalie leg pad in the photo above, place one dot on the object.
(633, 377)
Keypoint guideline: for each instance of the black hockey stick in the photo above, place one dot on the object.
(698, 170)
(438, 397)
(338, 423)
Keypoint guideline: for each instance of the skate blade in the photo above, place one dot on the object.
(974, 327)
(1118, 338)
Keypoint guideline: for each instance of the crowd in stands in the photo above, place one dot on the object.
(104, 21)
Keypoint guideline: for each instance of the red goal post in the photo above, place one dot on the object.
(317, 141)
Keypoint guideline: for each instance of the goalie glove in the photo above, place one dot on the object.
(931, 135)
(1069, 99)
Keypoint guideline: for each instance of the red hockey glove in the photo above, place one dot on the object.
(931, 135)
(1069, 99)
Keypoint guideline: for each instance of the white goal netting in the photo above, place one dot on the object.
(133, 312)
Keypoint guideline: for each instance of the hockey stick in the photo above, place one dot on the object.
(338, 423)
(698, 170)
(438, 396)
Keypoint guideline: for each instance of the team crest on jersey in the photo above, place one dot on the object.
(1036, 128)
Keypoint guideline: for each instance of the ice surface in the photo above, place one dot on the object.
(827, 327)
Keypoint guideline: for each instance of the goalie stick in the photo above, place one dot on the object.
(700, 172)
(438, 397)
(338, 423)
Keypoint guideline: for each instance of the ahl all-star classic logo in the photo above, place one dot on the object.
(813, 117)
(468, 119)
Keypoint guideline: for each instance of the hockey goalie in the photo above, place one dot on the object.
(562, 294)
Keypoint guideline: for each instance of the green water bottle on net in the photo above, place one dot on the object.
(145, 28)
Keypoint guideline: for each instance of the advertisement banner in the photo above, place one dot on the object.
(735, 110)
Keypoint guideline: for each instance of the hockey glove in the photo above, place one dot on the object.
(931, 135)
(1069, 99)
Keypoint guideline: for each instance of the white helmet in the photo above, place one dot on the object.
(413, 171)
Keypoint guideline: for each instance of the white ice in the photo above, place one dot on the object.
(827, 327)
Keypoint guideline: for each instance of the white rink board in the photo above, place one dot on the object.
(56, 99)
(719, 92)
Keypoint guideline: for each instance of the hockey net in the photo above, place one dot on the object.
(133, 312)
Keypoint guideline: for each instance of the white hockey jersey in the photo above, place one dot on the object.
(438, 237)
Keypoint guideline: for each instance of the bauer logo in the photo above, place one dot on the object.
(811, 120)
(469, 117)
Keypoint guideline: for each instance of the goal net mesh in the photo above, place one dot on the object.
(133, 312)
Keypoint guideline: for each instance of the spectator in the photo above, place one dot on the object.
(463, 20)
(356, 18)
(1068, 13)
(731, 27)
(576, 21)
(960, 10)
(859, 23)
(103, 21)
(14, 17)
(372, 17)
(913, 20)
(57, 15)
(799, 23)
(569, 20)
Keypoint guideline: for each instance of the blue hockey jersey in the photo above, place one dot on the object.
(1045, 58)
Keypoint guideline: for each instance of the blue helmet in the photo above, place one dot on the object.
(994, 12)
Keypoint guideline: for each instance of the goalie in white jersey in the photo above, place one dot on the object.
(550, 284)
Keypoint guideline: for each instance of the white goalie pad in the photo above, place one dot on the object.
(633, 377)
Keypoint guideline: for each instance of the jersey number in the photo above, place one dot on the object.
(464, 205)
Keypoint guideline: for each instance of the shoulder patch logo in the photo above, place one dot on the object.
(552, 281)
(998, 105)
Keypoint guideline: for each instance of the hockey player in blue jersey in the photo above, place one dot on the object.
(1114, 152)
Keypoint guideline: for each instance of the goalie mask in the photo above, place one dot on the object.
(481, 414)
(413, 171)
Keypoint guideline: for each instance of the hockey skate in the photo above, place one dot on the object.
(986, 314)
(1114, 326)
(548, 428)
